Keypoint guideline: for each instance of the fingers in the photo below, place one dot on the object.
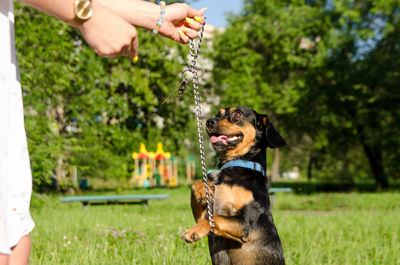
(134, 50)
(131, 49)
(183, 37)
(193, 22)
(182, 22)
(191, 33)
(110, 56)
(190, 29)
(125, 51)
(194, 12)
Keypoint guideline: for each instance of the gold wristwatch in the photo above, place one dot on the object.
(83, 10)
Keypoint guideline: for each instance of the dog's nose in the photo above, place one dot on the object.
(211, 123)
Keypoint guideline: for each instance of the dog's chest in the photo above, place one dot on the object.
(230, 199)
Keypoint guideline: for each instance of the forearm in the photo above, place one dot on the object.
(62, 9)
(138, 13)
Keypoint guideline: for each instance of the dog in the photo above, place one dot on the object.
(244, 232)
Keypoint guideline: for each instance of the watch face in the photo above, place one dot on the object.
(83, 9)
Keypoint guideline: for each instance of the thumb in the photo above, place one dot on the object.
(196, 13)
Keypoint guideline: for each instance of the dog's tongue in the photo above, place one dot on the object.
(220, 138)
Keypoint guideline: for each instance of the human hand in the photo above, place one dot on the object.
(110, 35)
(181, 22)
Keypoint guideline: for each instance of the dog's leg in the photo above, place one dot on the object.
(198, 201)
(228, 227)
(196, 232)
(199, 204)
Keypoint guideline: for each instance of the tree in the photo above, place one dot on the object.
(311, 62)
(358, 80)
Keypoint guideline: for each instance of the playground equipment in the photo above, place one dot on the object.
(158, 168)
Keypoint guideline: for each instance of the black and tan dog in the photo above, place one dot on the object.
(244, 230)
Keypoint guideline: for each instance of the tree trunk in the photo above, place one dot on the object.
(61, 173)
(374, 155)
(309, 168)
(275, 165)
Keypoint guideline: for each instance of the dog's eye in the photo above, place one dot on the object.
(237, 115)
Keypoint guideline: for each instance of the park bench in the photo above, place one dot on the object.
(138, 199)
(115, 199)
(272, 192)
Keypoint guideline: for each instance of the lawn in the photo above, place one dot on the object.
(337, 228)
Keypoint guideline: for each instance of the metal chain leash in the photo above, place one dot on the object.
(194, 53)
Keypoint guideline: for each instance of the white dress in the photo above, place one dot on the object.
(15, 171)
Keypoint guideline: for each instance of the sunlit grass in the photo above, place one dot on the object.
(314, 229)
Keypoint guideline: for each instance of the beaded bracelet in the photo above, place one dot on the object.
(161, 18)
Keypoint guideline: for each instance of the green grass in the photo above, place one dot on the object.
(315, 229)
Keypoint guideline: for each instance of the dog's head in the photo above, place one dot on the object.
(240, 132)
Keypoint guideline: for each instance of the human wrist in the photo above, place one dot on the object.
(99, 13)
(83, 11)
(138, 13)
(160, 20)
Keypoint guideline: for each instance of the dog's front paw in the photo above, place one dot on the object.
(199, 193)
(196, 232)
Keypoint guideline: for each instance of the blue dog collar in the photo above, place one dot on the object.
(246, 164)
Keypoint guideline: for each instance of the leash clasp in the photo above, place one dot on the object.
(182, 87)
(187, 77)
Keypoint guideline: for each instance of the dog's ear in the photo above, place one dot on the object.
(270, 135)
